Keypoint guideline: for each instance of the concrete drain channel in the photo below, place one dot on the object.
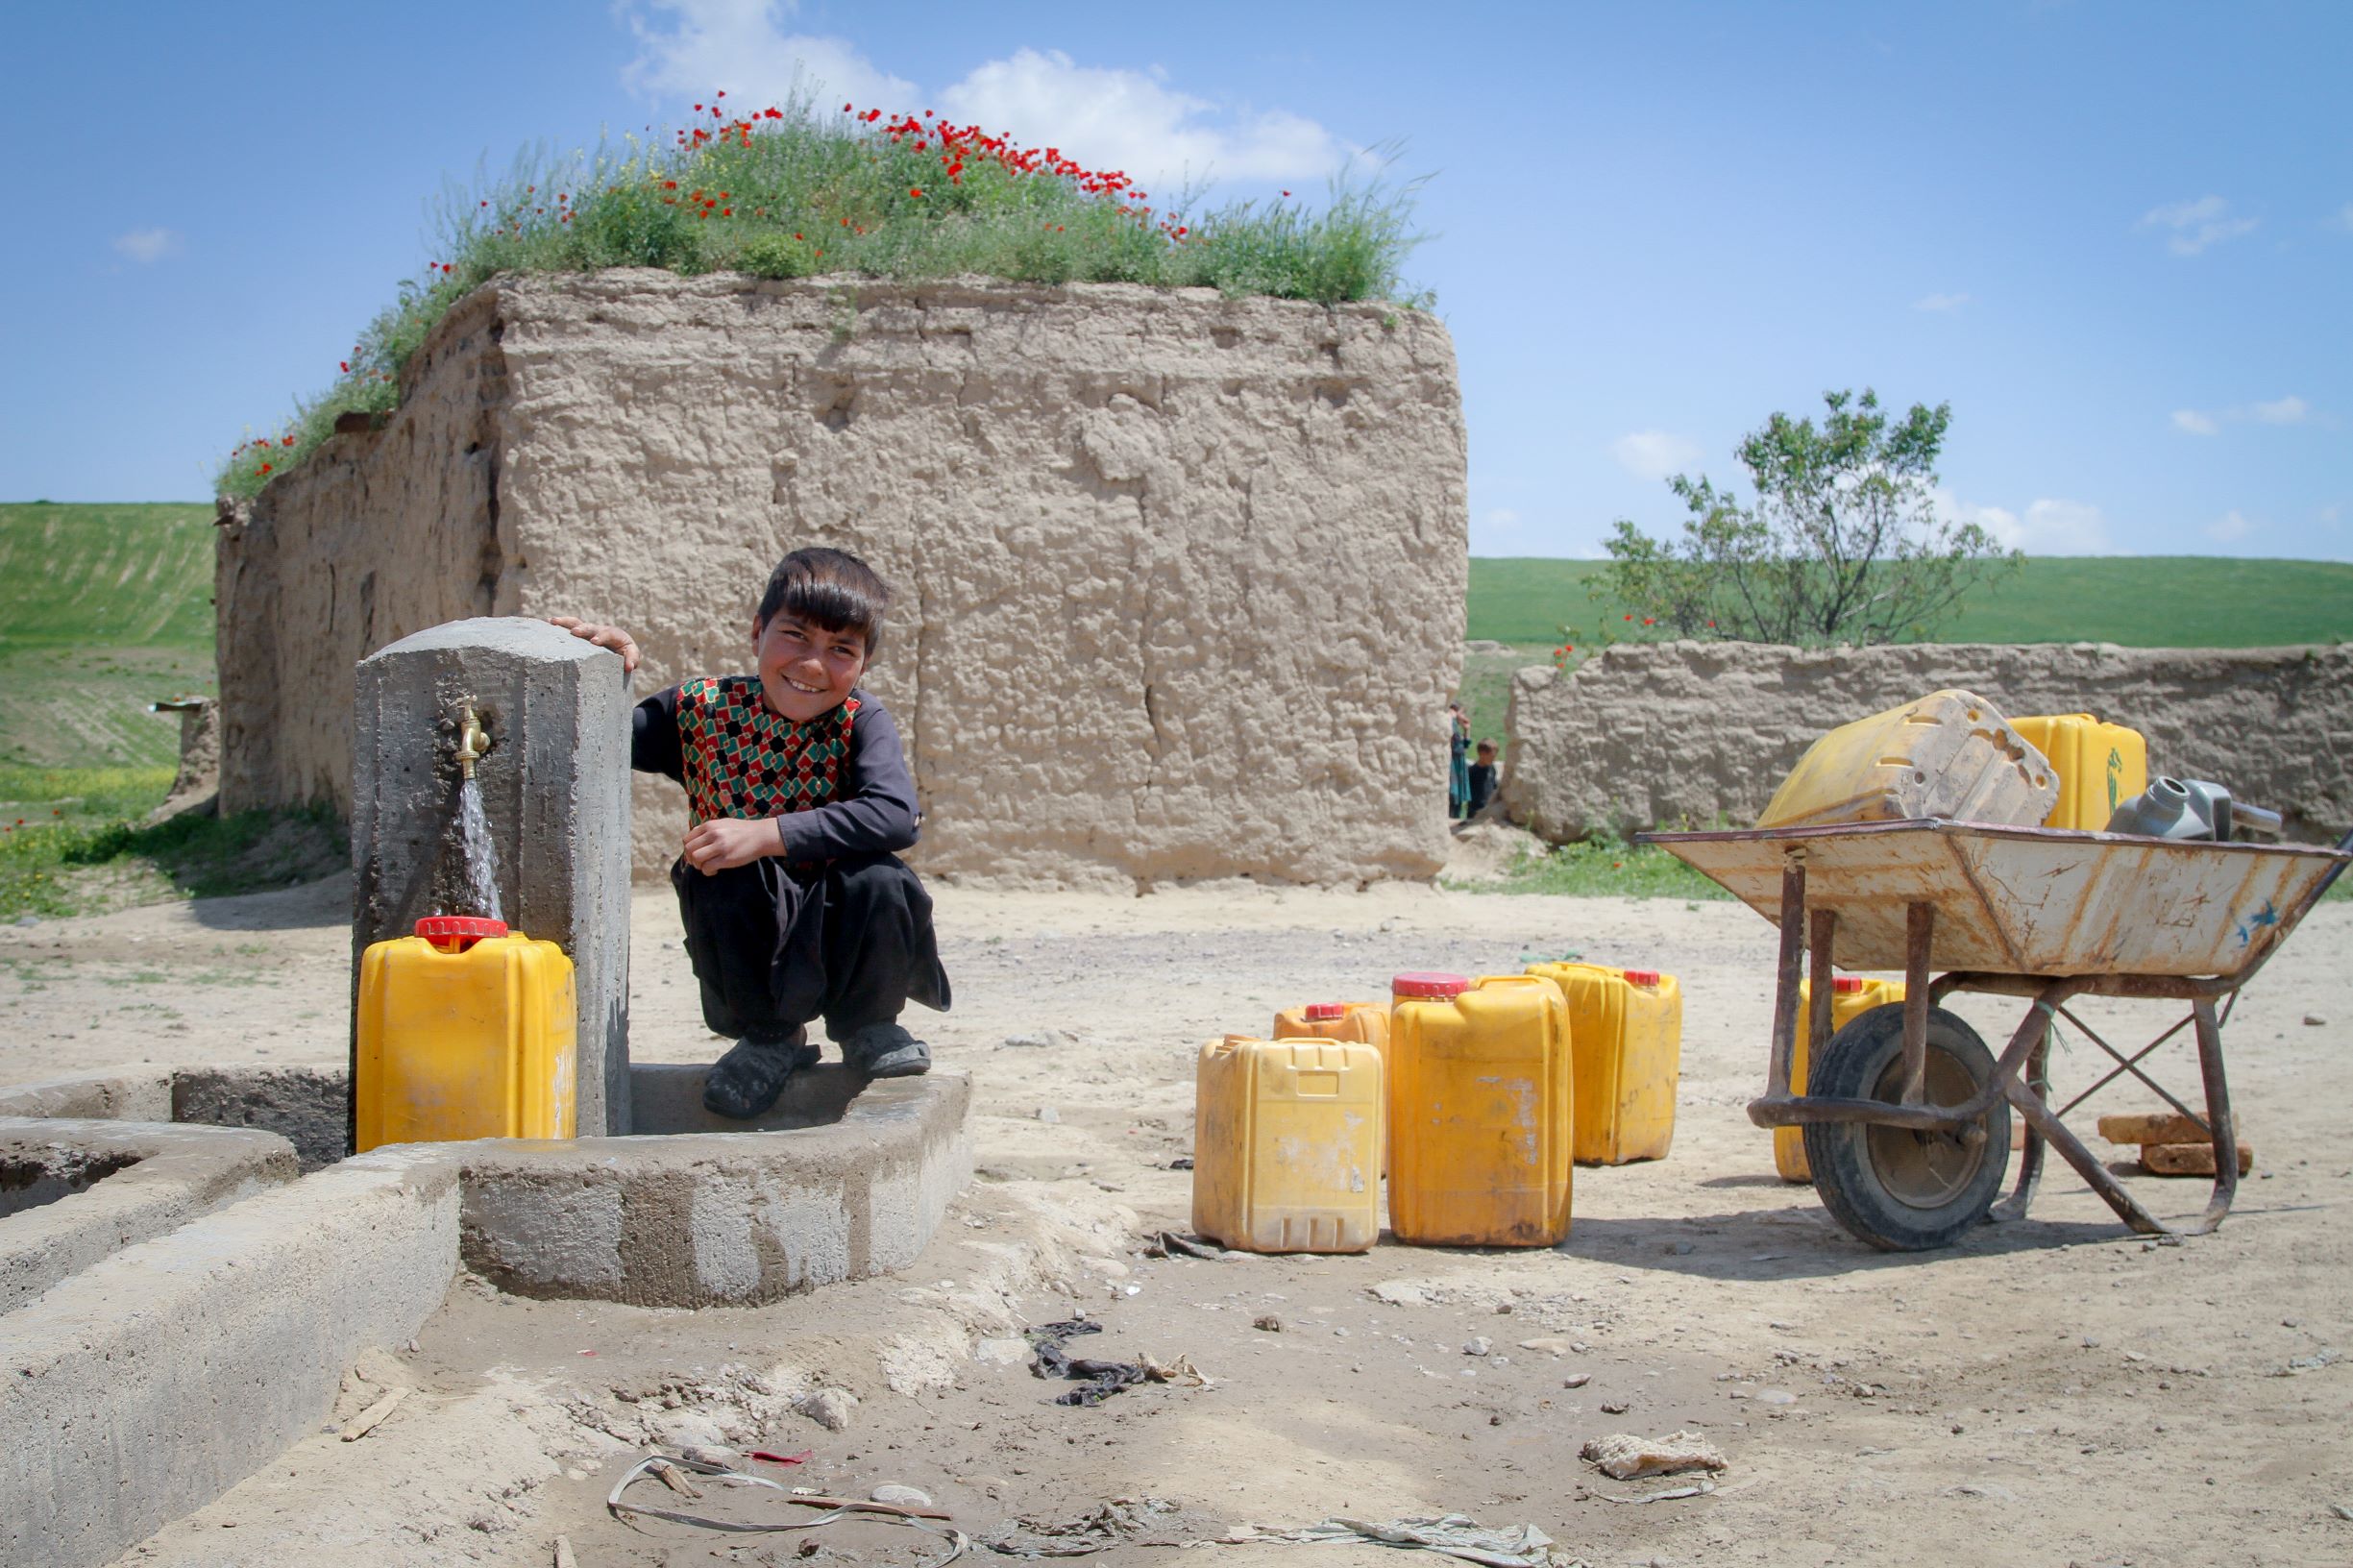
(180, 1299)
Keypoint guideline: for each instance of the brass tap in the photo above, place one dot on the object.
(473, 739)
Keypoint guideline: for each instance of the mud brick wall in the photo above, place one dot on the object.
(1180, 579)
(1683, 734)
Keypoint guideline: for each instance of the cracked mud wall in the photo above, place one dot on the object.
(1683, 734)
(1180, 579)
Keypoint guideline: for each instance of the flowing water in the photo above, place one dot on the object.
(479, 855)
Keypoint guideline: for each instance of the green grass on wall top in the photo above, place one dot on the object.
(2135, 601)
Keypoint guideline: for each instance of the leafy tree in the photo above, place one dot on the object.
(1843, 543)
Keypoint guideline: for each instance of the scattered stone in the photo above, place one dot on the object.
(1398, 1293)
(1679, 1249)
(686, 1429)
(36, 920)
(1577, 1380)
(1001, 1351)
(1616, 1407)
(719, 1453)
(1047, 1114)
(1776, 1396)
(1625, 1456)
(1551, 1344)
(2189, 1159)
(2311, 1021)
(1476, 1345)
(1992, 1491)
(1268, 1322)
(829, 1408)
(901, 1497)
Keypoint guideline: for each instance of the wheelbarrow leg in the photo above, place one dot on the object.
(1920, 934)
(2029, 1103)
(2030, 1157)
(2219, 1119)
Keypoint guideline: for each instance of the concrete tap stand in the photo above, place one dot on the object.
(555, 788)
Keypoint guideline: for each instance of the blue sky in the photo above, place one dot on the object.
(2117, 238)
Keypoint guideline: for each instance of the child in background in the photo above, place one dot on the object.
(1482, 778)
(795, 903)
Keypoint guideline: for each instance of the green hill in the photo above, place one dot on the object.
(2136, 600)
(102, 609)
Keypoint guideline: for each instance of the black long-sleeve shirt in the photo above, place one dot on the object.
(874, 810)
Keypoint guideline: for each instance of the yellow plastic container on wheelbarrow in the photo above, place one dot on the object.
(1851, 995)
(2101, 766)
(465, 1030)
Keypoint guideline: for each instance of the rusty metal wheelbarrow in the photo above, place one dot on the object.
(1906, 1117)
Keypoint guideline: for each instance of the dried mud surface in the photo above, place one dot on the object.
(2054, 1391)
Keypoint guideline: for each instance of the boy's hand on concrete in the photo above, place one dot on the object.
(730, 841)
(603, 636)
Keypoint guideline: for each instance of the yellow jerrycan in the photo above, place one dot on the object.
(1366, 1022)
(1626, 1049)
(466, 1030)
(1480, 1112)
(2101, 766)
(1950, 754)
(1287, 1145)
(1850, 997)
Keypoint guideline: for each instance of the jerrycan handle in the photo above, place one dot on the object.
(1486, 980)
(456, 933)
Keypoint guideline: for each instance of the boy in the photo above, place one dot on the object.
(1482, 778)
(795, 904)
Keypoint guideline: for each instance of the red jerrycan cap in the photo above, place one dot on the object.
(456, 933)
(1643, 977)
(1847, 985)
(1325, 1011)
(1430, 983)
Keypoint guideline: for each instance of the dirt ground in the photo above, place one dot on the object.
(2054, 1391)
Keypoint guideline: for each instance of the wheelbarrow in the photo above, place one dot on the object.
(1906, 1114)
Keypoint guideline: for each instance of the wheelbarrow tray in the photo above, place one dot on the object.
(2026, 900)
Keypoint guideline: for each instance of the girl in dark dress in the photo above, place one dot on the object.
(796, 904)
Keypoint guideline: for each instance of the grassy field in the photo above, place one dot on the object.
(102, 610)
(2135, 601)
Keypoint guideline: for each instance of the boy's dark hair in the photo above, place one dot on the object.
(1487, 745)
(831, 588)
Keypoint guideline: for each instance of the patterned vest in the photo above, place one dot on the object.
(745, 761)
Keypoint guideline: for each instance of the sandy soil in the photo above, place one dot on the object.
(2054, 1391)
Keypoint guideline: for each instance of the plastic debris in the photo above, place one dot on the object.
(1625, 1456)
(1451, 1535)
(1123, 1520)
(1099, 1379)
(835, 1507)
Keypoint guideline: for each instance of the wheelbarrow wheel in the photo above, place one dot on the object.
(1902, 1190)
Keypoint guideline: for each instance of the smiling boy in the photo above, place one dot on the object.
(797, 906)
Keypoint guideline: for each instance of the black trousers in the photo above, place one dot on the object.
(776, 945)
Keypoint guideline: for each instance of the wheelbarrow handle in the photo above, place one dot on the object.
(2345, 847)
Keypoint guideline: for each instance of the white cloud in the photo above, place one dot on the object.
(1104, 117)
(1941, 301)
(1653, 455)
(737, 46)
(2190, 227)
(1132, 121)
(2049, 528)
(2282, 412)
(148, 246)
(2229, 528)
(2189, 422)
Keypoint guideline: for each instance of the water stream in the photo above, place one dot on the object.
(479, 857)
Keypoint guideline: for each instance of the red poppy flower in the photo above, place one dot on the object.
(344, 365)
(1630, 618)
(915, 190)
(266, 468)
